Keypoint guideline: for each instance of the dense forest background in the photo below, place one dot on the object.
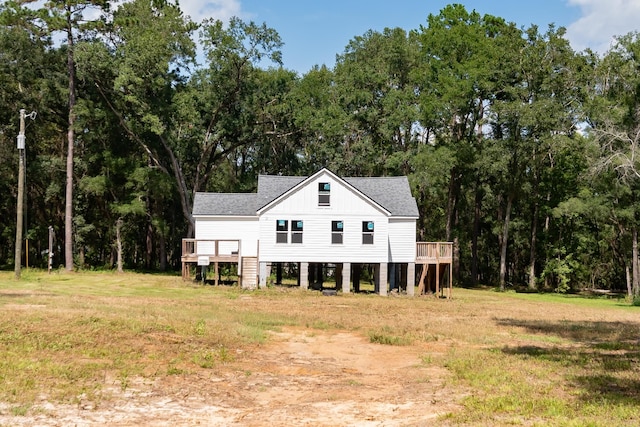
(519, 150)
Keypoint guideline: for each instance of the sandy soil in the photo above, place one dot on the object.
(300, 378)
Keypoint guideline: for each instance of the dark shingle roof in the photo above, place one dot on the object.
(234, 204)
(392, 193)
(270, 187)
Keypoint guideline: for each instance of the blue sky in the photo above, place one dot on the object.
(313, 32)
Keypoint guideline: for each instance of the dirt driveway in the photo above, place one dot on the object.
(300, 378)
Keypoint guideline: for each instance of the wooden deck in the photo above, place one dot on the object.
(216, 251)
(436, 254)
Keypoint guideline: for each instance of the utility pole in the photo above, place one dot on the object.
(19, 208)
(20, 202)
(50, 249)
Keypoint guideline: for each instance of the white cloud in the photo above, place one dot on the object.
(199, 9)
(217, 9)
(601, 21)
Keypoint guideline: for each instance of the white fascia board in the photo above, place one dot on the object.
(225, 217)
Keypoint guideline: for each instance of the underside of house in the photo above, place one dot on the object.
(330, 233)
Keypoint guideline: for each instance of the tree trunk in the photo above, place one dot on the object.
(186, 198)
(451, 203)
(456, 259)
(68, 212)
(476, 232)
(148, 257)
(81, 256)
(119, 245)
(503, 242)
(634, 263)
(162, 252)
(532, 252)
(547, 223)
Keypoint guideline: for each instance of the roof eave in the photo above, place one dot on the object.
(224, 216)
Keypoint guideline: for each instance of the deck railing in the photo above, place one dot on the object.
(193, 248)
(434, 251)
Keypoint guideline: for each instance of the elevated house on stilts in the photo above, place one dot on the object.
(317, 221)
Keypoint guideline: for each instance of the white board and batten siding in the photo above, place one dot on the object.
(346, 205)
(244, 229)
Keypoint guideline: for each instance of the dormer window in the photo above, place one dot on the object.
(324, 194)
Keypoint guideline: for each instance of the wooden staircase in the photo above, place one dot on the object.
(249, 273)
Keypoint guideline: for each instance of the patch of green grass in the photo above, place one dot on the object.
(19, 410)
(200, 327)
(124, 380)
(387, 337)
(224, 355)
(205, 359)
(547, 383)
(505, 385)
(571, 299)
(320, 324)
(426, 359)
(174, 370)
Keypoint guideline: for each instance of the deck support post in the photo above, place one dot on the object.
(382, 278)
(304, 275)
(216, 275)
(357, 269)
(411, 278)
(278, 273)
(346, 277)
(262, 275)
(393, 276)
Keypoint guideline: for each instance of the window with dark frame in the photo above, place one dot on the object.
(367, 232)
(296, 231)
(282, 231)
(324, 194)
(337, 229)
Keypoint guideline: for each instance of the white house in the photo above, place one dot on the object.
(313, 221)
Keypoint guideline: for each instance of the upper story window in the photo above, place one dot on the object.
(282, 231)
(367, 232)
(337, 229)
(324, 194)
(296, 231)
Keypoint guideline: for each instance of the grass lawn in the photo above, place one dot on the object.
(514, 359)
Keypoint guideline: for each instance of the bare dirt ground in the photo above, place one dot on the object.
(299, 378)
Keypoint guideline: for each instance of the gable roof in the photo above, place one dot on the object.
(392, 194)
(323, 171)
